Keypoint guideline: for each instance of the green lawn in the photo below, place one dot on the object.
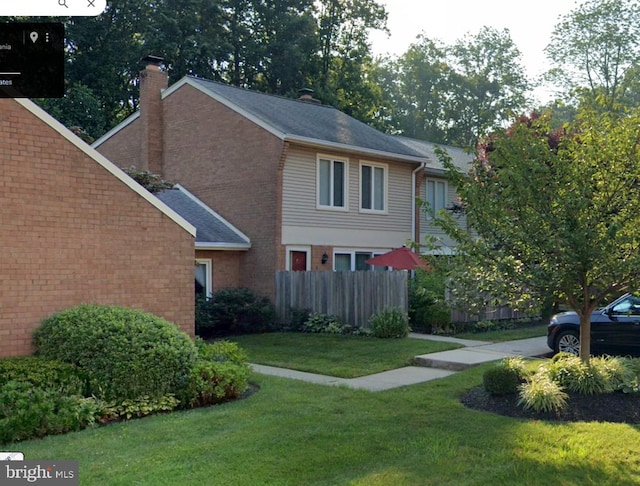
(295, 433)
(341, 356)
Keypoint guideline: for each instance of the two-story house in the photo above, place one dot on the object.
(313, 188)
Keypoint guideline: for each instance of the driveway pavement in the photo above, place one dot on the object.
(430, 366)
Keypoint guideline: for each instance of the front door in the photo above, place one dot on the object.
(298, 261)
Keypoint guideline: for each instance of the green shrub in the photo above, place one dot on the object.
(138, 407)
(571, 373)
(541, 394)
(631, 380)
(212, 382)
(323, 323)
(297, 319)
(42, 373)
(390, 323)
(222, 351)
(428, 310)
(27, 411)
(506, 377)
(126, 353)
(233, 311)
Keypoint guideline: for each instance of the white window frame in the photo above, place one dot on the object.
(331, 206)
(385, 187)
(208, 274)
(434, 207)
(352, 253)
(289, 249)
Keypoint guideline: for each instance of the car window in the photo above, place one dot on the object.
(628, 307)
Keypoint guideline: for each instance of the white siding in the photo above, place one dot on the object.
(299, 209)
(426, 226)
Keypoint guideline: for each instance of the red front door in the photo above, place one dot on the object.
(298, 261)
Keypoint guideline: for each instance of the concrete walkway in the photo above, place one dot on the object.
(430, 366)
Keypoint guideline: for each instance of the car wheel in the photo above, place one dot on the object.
(568, 342)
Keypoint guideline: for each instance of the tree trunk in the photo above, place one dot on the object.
(585, 336)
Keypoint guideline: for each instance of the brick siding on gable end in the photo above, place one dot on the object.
(231, 164)
(72, 232)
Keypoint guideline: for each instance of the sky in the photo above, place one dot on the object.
(530, 24)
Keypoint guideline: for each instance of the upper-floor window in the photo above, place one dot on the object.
(373, 187)
(436, 195)
(332, 183)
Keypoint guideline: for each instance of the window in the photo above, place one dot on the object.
(436, 195)
(202, 270)
(373, 183)
(347, 260)
(332, 183)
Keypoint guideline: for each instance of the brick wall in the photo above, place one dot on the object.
(225, 267)
(72, 233)
(124, 148)
(231, 164)
(226, 161)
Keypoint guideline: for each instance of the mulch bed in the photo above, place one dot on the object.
(611, 407)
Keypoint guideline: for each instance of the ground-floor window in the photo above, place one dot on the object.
(203, 278)
(352, 260)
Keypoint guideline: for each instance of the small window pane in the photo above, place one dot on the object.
(431, 196)
(200, 270)
(379, 188)
(441, 196)
(360, 261)
(342, 262)
(338, 184)
(366, 187)
(325, 183)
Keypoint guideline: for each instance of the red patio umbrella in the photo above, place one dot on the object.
(400, 259)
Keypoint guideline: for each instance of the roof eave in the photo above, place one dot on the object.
(323, 144)
(223, 246)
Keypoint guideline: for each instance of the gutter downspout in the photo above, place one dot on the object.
(413, 201)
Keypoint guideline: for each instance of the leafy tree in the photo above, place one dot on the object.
(455, 94)
(595, 47)
(344, 58)
(420, 89)
(556, 213)
(489, 85)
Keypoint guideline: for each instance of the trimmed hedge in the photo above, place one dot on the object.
(28, 411)
(126, 353)
(42, 373)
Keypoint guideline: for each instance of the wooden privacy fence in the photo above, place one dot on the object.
(353, 297)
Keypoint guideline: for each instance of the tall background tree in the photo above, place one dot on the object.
(595, 50)
(455, 93)
(555, 212)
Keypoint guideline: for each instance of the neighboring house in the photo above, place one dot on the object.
(312, 187)
(437, 192)
(76, 229)
(219, 245)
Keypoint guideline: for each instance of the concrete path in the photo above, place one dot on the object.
(431, 366)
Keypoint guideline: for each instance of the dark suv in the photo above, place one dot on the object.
(615, 329)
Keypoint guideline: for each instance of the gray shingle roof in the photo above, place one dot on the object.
(211, 228)
(307, 120)
(460, 158)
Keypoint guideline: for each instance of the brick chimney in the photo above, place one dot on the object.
(153, 80)
(306, 94)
